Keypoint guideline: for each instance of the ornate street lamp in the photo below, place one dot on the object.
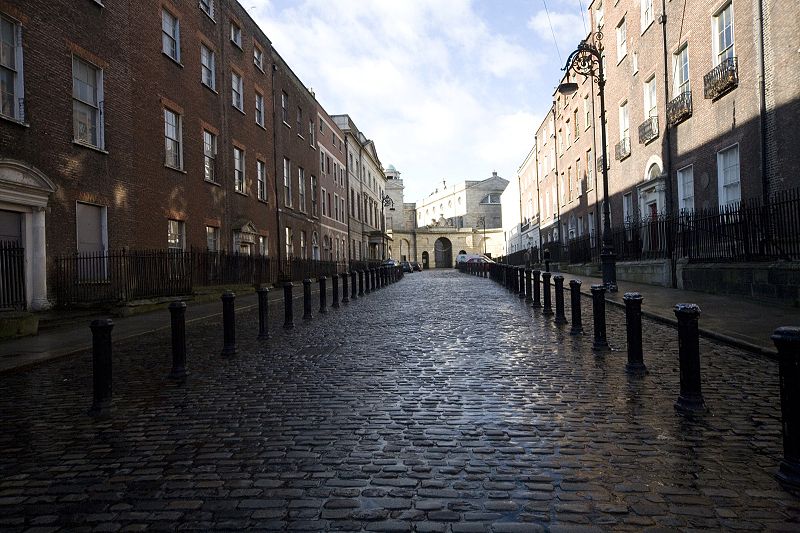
(482, 220)
(386, 201)
(587, 61)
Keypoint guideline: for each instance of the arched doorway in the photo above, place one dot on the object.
(462, 252)
(425, 261)
(443, 250)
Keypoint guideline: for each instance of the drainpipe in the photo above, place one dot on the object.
(667, 147)
(762, 106)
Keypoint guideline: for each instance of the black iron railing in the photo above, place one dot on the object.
(679, 108)
(12, 276)
(648, 130)
(623, 148)
(722, 78)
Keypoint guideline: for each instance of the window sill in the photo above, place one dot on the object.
(621, 59)
(263, 201)
(15, 120)
(211, 182)
(261, 68)
(237, 45)
(89, 146)
(241, 193)
(286, 124)
(648, 26)
(261, 126)
(209, 15)
(176, 61)
(209, 87)
(301, 136)
(176, 169)
(240, 110)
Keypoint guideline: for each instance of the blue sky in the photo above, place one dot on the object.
(447, 89)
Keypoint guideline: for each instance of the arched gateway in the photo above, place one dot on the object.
(443, 249)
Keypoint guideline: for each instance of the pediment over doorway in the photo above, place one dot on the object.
(24, 184)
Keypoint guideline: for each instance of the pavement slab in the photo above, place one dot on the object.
(439, 403)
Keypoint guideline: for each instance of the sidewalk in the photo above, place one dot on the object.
(737, 321)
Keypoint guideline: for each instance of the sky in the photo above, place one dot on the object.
(447, 89)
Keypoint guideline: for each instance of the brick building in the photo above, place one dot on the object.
(333, 188)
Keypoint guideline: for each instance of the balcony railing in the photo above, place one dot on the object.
(722, 78)
(679, 108)
(600, 166)
(623, 148)
(648, 130)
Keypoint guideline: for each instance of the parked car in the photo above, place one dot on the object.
(391, 262)
(479, 259)
(416, 266)
(406, 266)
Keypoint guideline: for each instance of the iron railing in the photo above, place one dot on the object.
(721, 79)
(679, 108)
(12, 276)
(623, 148)
(648, 130)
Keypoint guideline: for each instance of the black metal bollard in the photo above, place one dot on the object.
(548, 309)
(633, 328)
(288, 310)
(101, 365)
(528, 294)
(367, 276)
(335, 291)
(787, 341)
(600, 342)
(353, 285)
(691, 396)
(228, 324)
(561, 318)
(307, 299)
(374, 279)
(521, 282)
(345, 298)
(537, 289)
(263, 312)
(575, 304)
(361, 283)
(177, 319)
(323, 294)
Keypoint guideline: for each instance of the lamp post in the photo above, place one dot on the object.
(587, 61)
(386, 201)
(482, 220)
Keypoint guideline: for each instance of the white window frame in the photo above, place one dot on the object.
(178, 139)
(258, 57)
(209, 156)
(261, 179)
(97, 105)
(259, 109)
(682, 85)
(289, 237)
(647, 13)
(624, 121)
(650, 94)
(301, 188)
(239, 170)
(721, 54)
(17, 91)
(324, 203)
(207, 7)
(682, 192)
(263, 245)
(236, 34)
(287, 182)
(285, 108)
(721, 175)
(208, 67)
(174, 35)
(180, 234)
(622, 39)
(212, 238)
(237, 90)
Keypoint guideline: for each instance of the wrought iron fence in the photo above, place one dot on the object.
(679, 108)
(721, 79)
(648, 130)
(623, 148)
(12, 275)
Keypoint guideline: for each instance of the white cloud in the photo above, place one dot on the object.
(568, 28)
(428, 81)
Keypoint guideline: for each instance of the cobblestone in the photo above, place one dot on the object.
(440, 403)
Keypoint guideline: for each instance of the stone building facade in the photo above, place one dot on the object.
(332, 192)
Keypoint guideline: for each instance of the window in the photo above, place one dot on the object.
(650, 98)
(238, 169)
(635, 63)
(622, 40)
(236, 34)
(258, 57)
(570, 184)
(11, 86)
(260, 109)
(624, 121)
(567, 130)
(175, 235)
(314, 195)
(302, 244)
(301, 188)
(723, 34)
(578, 177)
(324, 204)
(87, 101)
(289, 243)
(299, 120)
(209, 156)
(170, 35)
(263, 245)
(647, 13)
(728, 175)
(285, 108)
(212, 238)
(261, 179)
(207, 67)
(598, 14)
(172, 139)
(208, 7)
(587, 112)
(627, 208)
(686, 188)
(287, 183)
(336, 206)
(575, 124)
(589, 169)
(236, 91)
(311, 131)
(682, 71)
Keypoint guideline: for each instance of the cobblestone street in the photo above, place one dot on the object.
(440, 403)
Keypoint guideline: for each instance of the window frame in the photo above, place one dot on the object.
(181, 235)
(98, 106)
(258, 57)
(17, 92)
(301, 189)
(622, 45)
(236, 34)
(624, 111)
(239, 167)
(210, 157)
(645, 21)
(285, 108)
(176, 28)
(239, 92)
(287, 182)
(678, 70)
(178, 140)
(259, 110)
(720, 55)
(212, 68)
(210, 10)
(721, 177)
(650, 96)
(261, 180)
(212, 235)
(682, 197)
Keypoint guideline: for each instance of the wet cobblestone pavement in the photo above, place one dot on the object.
(440, 403)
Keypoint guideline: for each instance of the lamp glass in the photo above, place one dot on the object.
(568, 88)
